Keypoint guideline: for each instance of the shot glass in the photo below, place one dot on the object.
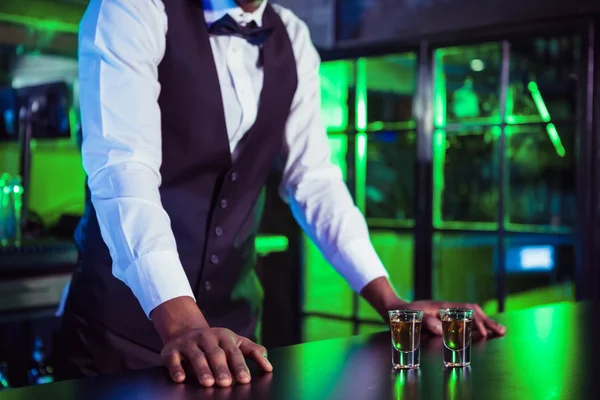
(456, 334)
(405, 326)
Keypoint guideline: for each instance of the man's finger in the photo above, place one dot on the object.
(432, 324)
(199, 363)
(257, 353)
(218, 363)
(480, 325)
(172, 360)
(237, 364)
(495, 327)
(478, 318)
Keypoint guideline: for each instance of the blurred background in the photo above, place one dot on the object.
(467, 133)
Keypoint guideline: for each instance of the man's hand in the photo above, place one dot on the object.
(432, 322)
(216, 355)
(380, 294)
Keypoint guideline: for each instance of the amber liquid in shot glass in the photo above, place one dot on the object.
(405, 327)
(456, 333)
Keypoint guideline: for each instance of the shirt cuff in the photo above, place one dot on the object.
(359, 264)
(156, 278)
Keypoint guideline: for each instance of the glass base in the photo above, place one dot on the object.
(405, 359)
(456, 365)
(457, 358)
(399, 367)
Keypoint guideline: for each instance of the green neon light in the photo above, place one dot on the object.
(391, 126)
(361, 170)
(439, 93)
(361, 136)
(510, 105)
(461, 225)
(271, 244)
(39, 23)
(514, 227)
(439, 159)
(539, 101)
(523, 119)
(361, 94)
(553, 134)
(543, 110)
(391, 223)
(439, 137)
(510, 227)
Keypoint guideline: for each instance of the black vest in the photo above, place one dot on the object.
(214, 203)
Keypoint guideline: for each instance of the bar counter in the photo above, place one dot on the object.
(549, 352)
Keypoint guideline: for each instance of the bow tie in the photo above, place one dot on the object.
(251, 32)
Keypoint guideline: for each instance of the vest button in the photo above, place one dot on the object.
(223, 203)
(219, 231)
(207, 286)
(233, 177)
(214, 259)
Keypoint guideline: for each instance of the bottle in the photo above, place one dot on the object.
(4, 385)
(39, 372)
(17, 193)
(18, 200)
(11, 207)
(5, 204)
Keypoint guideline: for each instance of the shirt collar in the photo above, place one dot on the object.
(216, 9)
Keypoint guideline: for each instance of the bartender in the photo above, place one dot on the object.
(186, 106)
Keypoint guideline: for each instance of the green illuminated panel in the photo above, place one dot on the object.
(540, 170)
(391, 157)
(324, 289)
(321, 329)
(368, 329)
(390, 86)
(465, 176)
(541, 190)
(57, 177)
(52, 16)
(396, 252)
(564, 291)
(544, 80)
(266, 244)
(465, 168)
(464, 267)
(467, 84)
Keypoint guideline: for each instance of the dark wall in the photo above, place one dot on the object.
(393, 20)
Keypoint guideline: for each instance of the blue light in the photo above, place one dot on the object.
(538, 257)
(530, 258)
(387, 137)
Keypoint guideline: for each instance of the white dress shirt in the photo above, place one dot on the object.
(121, 43)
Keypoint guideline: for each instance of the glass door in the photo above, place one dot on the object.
(534, 176)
